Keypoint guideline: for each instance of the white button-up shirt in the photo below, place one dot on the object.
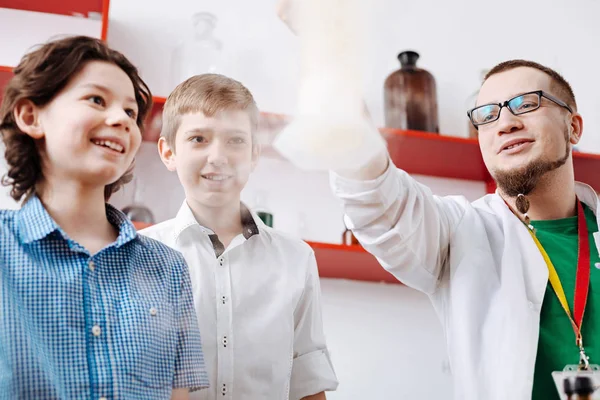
(259, 309)
(477, 262)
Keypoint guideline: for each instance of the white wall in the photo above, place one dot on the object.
(385, 342)
(22, 30)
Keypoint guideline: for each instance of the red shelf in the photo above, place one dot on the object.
(5, 75)
(436, 155)
(349, 262)
(63, 7)
(587, 169)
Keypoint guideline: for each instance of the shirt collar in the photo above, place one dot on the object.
(588, 196)
(185, 219)
(35, 223)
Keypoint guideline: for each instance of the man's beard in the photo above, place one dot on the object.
(524, 180)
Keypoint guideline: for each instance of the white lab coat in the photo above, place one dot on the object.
(477, 262)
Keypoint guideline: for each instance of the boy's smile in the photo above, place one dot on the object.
(113, 144)
(90, 128)
(213, 156)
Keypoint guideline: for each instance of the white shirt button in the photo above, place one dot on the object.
(221, 261)
(530, 305)
(91, 265)
(224, 299)
(96, 331)
(597, 265)
(153, 311)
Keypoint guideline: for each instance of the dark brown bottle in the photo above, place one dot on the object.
(410, 97)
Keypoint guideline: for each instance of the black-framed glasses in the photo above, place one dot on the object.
(518, 105)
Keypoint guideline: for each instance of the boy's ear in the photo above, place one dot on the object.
(27, 118)
(167, 155)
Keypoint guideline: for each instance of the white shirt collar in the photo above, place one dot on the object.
(251, 223)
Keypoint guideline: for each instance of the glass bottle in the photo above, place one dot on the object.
(410, 97)
(198, 54)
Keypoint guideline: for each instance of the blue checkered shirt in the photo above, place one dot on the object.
(116, 325)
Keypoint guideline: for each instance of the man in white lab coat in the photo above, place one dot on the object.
(508, 321)
(513, 276)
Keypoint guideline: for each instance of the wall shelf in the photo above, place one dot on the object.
(349, 262)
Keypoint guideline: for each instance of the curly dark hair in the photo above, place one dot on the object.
(39, 77)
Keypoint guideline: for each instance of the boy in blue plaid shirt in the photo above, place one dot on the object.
(89, 309)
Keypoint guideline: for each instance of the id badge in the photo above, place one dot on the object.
(572, 378)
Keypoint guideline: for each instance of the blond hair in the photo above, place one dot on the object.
(209, 94)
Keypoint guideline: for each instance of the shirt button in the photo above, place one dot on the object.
(153, 311)
(224, 341)
(96, 330)
(597, 265)
(91, 265)
(221, 261)
(530, 305)
(224, 299)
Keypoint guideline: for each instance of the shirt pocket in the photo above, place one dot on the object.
(150, 342)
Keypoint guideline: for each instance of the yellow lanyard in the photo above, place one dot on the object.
(555, 282)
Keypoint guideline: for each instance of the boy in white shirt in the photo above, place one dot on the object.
(256, 290)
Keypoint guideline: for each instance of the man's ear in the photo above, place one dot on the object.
(167, 154)
(27, 118)
(576, 128)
